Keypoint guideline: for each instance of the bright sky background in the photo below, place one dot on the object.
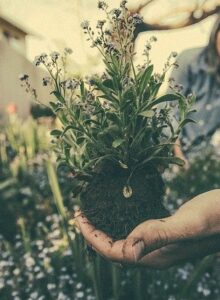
(57, 25)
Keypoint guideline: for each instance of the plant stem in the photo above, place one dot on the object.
(115, 282)
(137, 285)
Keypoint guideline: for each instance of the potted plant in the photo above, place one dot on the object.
(117, 134)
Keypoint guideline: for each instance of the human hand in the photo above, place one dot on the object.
(193, 231)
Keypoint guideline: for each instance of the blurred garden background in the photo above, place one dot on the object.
(42, 255)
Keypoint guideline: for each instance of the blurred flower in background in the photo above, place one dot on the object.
(11, 108)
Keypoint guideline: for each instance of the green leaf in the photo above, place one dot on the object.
(113, 117)
(139, 75)
(68, 128)
(164, 98)
(114, 101)
(147, 113)
(184, 122)
(128, 94)
(82, 89)
(143, 132)
(192, 111)
(108, 83)
(155, 89)
(109, 69)
(56, 132)
(124, 166)
(9, 183)
(63, 117)
(89, 121)
(126, 69)
(145, 78)
(153, 148)
(105, 90)
(58, 95)
(171, 160)
(58, 108)
(117, 143)
(53, 180)
(53, 105)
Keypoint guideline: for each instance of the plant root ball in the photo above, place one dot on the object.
(109, 210)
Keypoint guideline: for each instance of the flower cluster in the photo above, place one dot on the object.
(46, 81)
(50, 60)
(100, 24)
(40, 59)
(147, 49)
(24, 78)
(68, 51)
(137, 19)
(113, 41)
(70, 84)
(171, 61)
(123, 3)
(116, 13)
(54, 56)
(85, 25)
(102, 5)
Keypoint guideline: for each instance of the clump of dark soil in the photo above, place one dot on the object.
(108, 209)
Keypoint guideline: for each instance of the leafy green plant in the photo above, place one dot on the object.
(24, 185)
(115, 126)
(202, 175)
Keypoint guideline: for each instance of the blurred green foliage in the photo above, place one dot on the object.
(202, 175)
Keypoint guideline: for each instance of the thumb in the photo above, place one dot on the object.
(145, 238)
(138, 250)
(133, 249)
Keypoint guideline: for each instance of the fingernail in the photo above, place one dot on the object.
(138, 249)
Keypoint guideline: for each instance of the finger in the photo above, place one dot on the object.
(100, 241)
(77, 213)
(89, 232)
(145, 238)
(187, 223)
(133, 249)
(171, 255)
(80, 220)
